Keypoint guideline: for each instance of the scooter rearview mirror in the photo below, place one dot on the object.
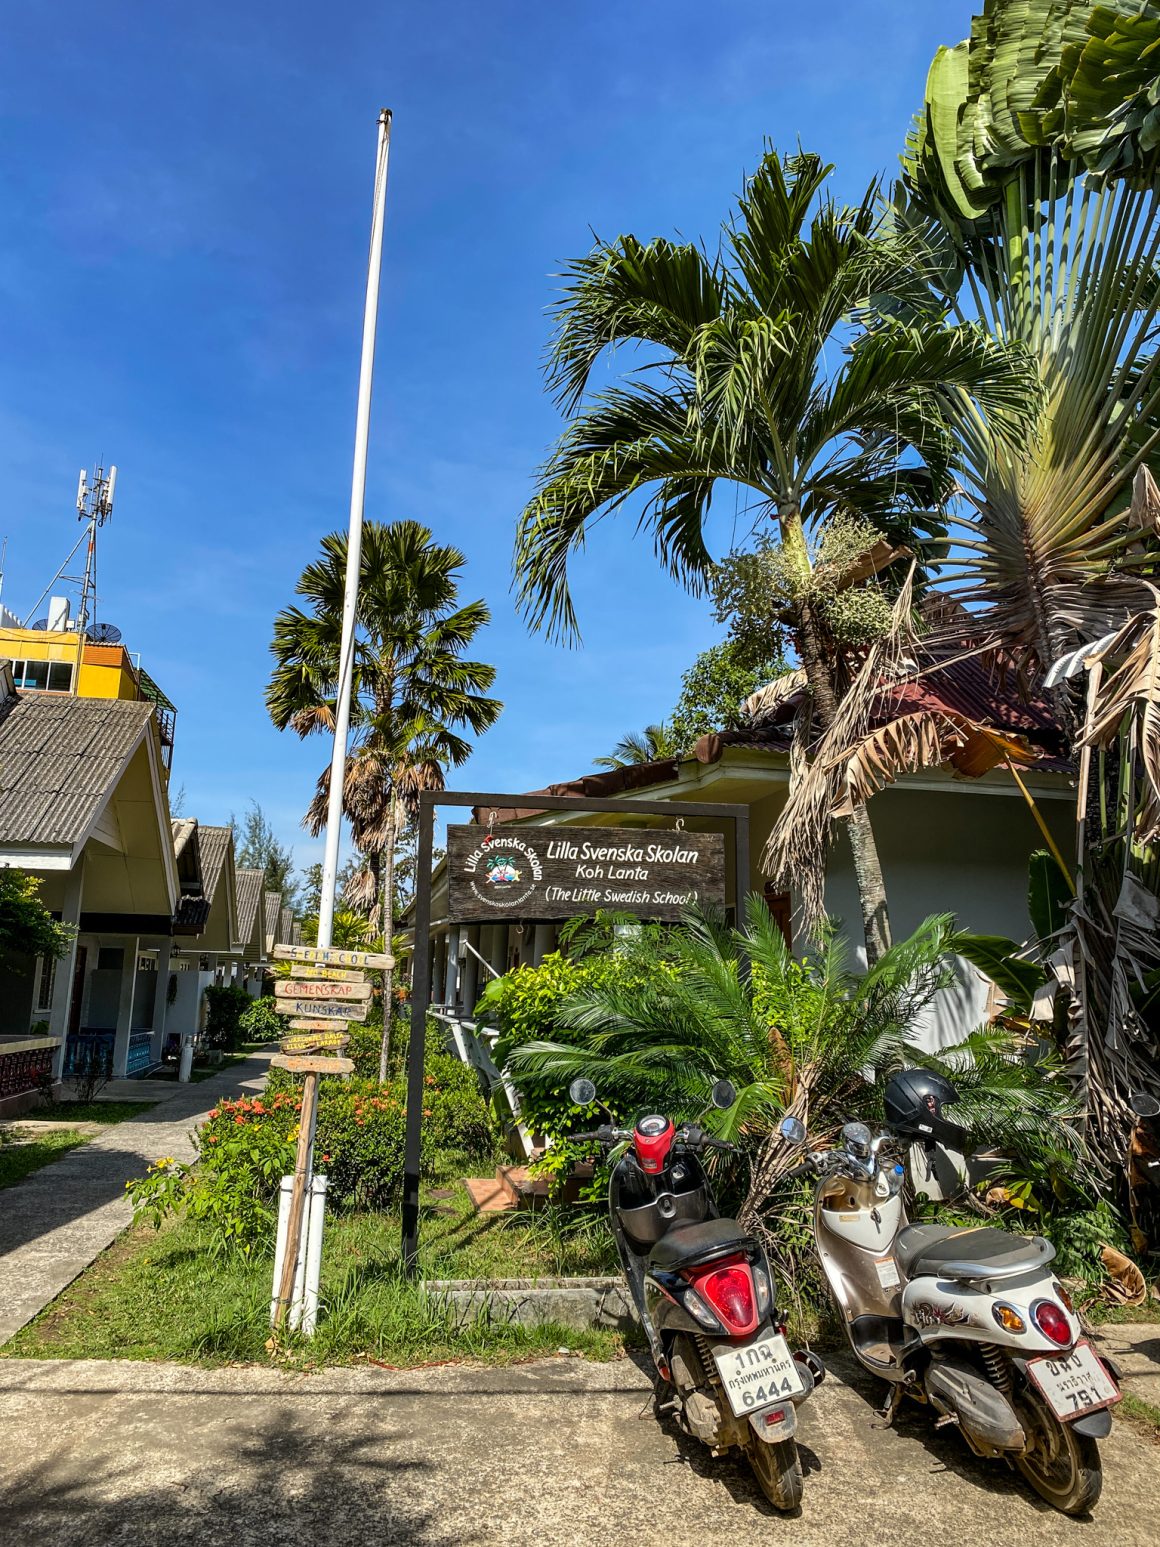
(723, 1094)
(1144, 1105)
(582, 1092)
(793, 1130)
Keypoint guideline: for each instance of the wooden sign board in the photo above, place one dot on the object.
(558, 872)
(324, 1009)
(328, 974)
(312, 1023)
(311, 1064)
(316, 1040)
(296, 988)
(331, 956)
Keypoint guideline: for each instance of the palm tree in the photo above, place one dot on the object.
(652, 745)
(752, 374)
(413, 693)
(1033, 173)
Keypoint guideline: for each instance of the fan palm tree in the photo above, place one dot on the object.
(413, 692)
(1033, 172)
(754, 373)
(651, 745)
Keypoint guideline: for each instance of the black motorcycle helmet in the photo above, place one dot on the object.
(914, 1109)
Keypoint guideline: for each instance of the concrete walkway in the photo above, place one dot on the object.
(56, 1221)
(559, 1452)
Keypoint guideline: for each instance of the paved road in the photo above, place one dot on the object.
(556, 1453)
(56, 1221)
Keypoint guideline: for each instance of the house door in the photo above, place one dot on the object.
(78, 991)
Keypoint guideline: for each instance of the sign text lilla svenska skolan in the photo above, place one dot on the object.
(559, 872)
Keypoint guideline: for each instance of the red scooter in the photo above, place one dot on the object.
(704, 1294)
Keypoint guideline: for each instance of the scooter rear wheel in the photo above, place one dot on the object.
(778, 1468)
(1062, 1466)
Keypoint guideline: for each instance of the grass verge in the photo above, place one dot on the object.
(107, 1112)
(19, 1160)
(164, 1295)
(1143, 1416)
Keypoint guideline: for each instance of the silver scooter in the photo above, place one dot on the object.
(969, 1321)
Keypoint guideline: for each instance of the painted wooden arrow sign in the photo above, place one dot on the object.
(330, 974)
(295, 988)
(324, 1009)
(331, 956)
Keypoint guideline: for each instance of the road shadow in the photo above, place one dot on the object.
(240, 1484)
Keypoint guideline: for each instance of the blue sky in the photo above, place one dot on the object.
(187, 197)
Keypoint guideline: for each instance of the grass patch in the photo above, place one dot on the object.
(1143, 1416)
(19, 1160)
(107, 1112)
(162, 1295)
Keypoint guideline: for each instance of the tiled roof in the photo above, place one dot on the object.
(251, 888)
(184, 829)
(59, 760)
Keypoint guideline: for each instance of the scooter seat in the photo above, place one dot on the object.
(971, 1252)
(697, 1243)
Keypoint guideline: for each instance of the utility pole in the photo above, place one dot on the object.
(94, 506)
(354, 542)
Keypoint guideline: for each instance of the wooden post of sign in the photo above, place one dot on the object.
(302, 1174)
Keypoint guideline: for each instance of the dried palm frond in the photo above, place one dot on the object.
(767, 700)
(795, 855)
(1126, 1284)
(924, 739)
(1131, 691)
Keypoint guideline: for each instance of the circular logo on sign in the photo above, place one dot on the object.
(505, 875)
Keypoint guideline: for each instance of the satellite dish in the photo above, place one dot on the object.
(41, 623)
(103, 634)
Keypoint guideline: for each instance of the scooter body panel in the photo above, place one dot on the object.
(942, 1309)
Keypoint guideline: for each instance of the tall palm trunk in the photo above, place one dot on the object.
(387, 919)
(867, 866)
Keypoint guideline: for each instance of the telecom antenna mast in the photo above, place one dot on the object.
(94, 505)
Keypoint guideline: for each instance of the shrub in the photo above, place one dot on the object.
(224, 1010)
(246, 1146)
(260, 1021)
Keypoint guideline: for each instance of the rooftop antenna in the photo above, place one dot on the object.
(3, 556)
(94, 506)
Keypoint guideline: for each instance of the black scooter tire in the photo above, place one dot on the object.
(778, 1469)
(1062, 1466)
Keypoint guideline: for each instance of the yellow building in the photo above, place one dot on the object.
(61, 660)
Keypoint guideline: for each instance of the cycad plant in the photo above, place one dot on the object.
(814, 1039)
(753, 374)
(414, 692)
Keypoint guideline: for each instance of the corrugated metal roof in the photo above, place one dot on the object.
(59, 759)
(215, 844)
(273, 919)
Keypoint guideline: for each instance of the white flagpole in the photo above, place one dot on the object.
(354, 541)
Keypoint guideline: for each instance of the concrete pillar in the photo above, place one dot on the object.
(498, 953)
(125, 1009)
(469, 974)
(160, 1001)
(543, 943)
(451, 977)
(62, 984)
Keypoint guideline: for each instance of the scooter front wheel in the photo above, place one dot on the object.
(778, 1468)
(1062, 1466)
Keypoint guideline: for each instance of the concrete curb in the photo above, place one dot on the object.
(570, 1302)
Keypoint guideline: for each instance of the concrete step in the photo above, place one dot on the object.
(488, 1195)
(524, 1191)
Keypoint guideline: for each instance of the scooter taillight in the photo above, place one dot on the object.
(1051, 1322)
(652, 1141)
(728, 1289)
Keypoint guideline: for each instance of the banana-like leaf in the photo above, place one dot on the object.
(1048, 895)
(997, 959)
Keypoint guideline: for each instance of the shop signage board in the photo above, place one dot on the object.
(332, 956)
(304, 988)
(517, 872)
